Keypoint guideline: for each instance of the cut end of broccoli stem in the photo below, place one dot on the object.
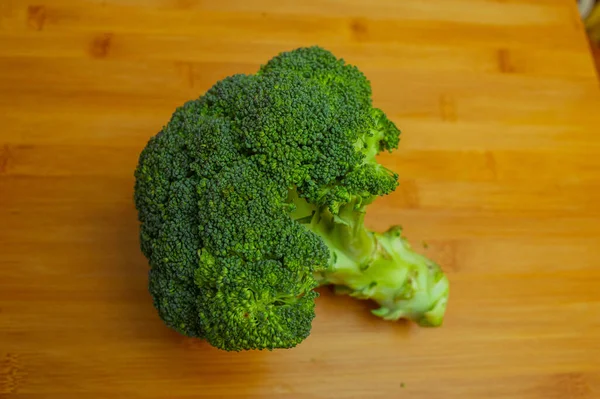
(420, 293)
(405, 284)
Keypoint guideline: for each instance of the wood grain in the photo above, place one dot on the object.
(500, 169)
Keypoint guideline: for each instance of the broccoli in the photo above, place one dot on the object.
(254, 195)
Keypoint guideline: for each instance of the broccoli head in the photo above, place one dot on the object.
(255, 193)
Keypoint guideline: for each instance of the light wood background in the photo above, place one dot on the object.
(500, 166)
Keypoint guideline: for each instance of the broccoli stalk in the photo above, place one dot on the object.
(378, 266)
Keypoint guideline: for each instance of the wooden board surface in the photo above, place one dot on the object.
(499, 162)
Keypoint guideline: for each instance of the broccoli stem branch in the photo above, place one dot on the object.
(378, 266)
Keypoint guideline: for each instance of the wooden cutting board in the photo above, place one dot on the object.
(499, 106)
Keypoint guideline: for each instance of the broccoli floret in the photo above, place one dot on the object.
(255, 193)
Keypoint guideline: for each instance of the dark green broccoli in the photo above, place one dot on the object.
(254, 194)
